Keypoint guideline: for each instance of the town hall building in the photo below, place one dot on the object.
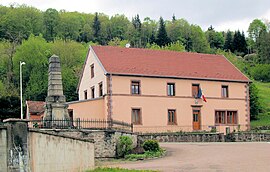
(162, 91)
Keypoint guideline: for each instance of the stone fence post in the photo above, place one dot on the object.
(17, 145)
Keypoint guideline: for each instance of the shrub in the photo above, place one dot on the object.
(261, 72)
(151, 145)
(124, 146)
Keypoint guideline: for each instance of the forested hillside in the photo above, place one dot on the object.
(30, 35)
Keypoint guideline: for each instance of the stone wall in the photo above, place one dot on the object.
(3, 148)
(51, 152)
(104, 141)
(182, 137)
(248, 137)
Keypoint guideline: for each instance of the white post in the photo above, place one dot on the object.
(21, 63)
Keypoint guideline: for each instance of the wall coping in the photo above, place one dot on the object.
(60, 135)
(87, 100)
(15, 120)
(177, 134)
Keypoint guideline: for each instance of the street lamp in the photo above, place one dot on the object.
(21, 63)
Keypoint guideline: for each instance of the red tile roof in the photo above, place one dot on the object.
(35, 107)
(163, 63)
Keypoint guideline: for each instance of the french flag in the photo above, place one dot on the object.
(201, 95)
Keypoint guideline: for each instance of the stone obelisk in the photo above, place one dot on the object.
(56, 107)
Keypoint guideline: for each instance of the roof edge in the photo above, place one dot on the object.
(236, 67)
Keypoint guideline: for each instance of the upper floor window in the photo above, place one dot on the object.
(136, 116)
(92, 92)
(100, 89)
(170, 89)
(85, 94)
(92, 71)
(171, 117)
(195, 89)
(135, 87)
(224, 91)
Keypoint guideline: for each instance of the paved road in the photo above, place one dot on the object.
(209, 157)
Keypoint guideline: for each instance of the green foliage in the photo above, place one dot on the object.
(35, 53)
(255, 28)
(263, 47)
(162, 37)
(177, 46)
(96, 28)
(151, 145)
(228, 45)
(72, 55)
(255, 106)
(261, 72)
(118, 42)
(145, 155)
(124, 146)
(51, 20)
(215, 39)
(263, 94)
(239, 43)
(9, 107)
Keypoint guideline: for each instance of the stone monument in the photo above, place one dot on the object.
(55, 107)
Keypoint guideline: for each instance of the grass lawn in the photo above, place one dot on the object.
(99, 169)
(264, 96)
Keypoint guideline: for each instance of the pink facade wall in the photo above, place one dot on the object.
(154, 103)
(88, 109)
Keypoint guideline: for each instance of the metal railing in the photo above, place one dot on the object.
(91, 124)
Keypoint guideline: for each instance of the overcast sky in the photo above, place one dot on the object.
(222, 14)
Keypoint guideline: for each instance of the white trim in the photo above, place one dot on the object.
(86, 100)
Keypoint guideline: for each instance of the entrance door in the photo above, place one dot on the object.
(196, 120)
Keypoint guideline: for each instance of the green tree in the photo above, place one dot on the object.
(96, 28)
(162, 37)
(69, 25)
(19, 22)
(239, 43)
(9, 107)
(51, 21)
(35, 53)
(197, 40)
(255, 106)
(72, 55)
(118, 26)
(255, 28)
(228, 41)
(215, 39)
(264, 47)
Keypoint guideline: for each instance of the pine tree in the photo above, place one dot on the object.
(173, 18)
(239, 43)
(162, 37)
(228, 41)
(137, 22)
(96, 28)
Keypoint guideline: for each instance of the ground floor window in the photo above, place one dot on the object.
(136, 116)
(171, 117)
(226, 117)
